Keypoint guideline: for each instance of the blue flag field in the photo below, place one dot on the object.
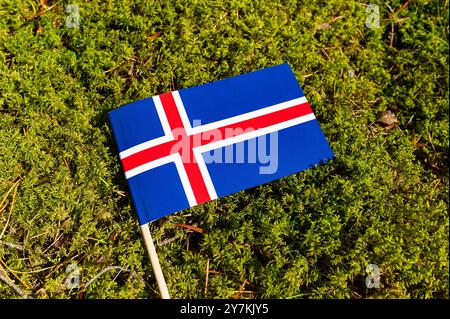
(187, 147)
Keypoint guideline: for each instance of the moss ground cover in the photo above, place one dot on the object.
(383, 200)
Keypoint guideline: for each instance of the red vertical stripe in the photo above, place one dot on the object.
(193, 172)
(196, 180)
(171, 110)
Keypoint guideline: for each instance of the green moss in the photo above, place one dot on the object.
(311, 235)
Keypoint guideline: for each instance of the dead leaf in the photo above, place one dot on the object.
(386, 118)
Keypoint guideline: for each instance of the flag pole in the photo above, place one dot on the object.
(155, 261)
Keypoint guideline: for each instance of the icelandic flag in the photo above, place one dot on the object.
(187, 147)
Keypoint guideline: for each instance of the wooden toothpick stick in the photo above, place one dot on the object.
(155, 261)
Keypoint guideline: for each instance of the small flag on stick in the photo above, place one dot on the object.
(187, 147)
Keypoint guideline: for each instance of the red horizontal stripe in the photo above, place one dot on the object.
(239, 128)
(147, 155)
(261, 121)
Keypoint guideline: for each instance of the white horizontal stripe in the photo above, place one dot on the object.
(205, 174)
(143, 146)
(150, 165)
(249, 115)
(256, 133)
(203, 128)
(185, 181)
(173, 158)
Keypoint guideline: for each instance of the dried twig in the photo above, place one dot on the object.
(48, 8)
(61, 264)
(206, 277)
(16, 184)
(395, 19)
(6, 196)
(242, 290)
(3, 207)
(13, 273)
(102, 272)
(391, 40)
(13, 286)
(54, 242)
(194, 228)
(243, 285)
(326, 54)
(168, 240)
(12, 245)
(403, 7)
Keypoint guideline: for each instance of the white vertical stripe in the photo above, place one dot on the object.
(162, 116)
(205, 174)
(182, 112)
(185, 180)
